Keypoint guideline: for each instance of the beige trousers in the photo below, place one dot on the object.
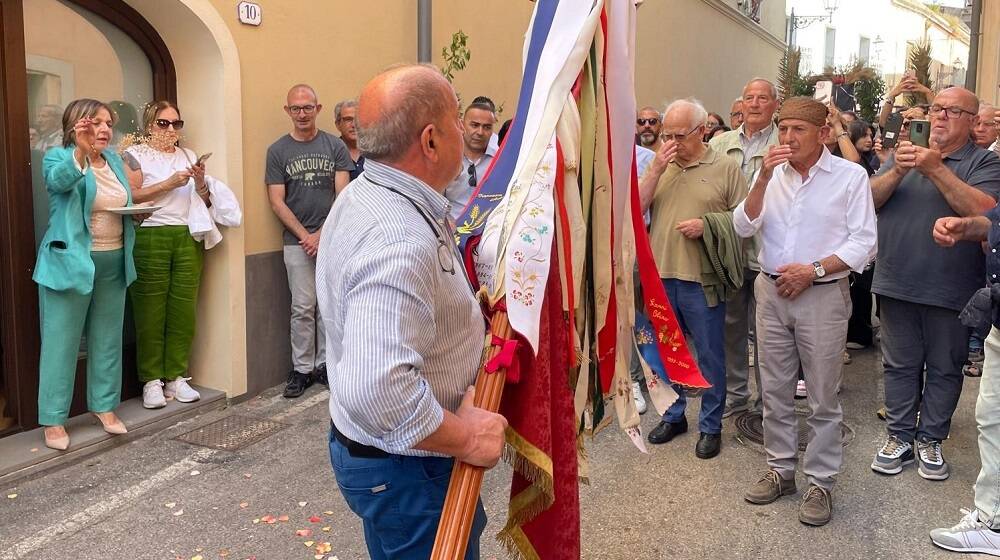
(811, 330)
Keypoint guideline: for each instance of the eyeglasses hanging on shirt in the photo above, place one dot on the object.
(446, 253)
(472, 175)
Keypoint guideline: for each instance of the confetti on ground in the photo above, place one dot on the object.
(303, 504)
(195, 473)
(34, 450)
(269, 519)
(170, 505)
(283, 518)
(247, 475)
(244, 504)
(11, 496)
(309, 543)
(179, 512)
(197, 557)
(256, 521)
(224, 553)
(324, 548)
(315, 519)
(303, 533)
(327, 513)
(326, 529)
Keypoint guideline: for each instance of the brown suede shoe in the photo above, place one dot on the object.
(769, 488)
(816, 507)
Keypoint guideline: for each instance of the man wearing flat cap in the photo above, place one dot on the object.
(816, 220)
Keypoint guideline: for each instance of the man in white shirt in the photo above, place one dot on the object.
(477, 124)
(816, 221)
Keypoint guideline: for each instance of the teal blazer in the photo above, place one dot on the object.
(64, 261)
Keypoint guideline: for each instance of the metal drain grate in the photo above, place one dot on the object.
(231, 433)
(751, 428)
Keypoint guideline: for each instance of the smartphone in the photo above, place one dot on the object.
(824, 91)
(890, 134)
(202, 158)
(920, 133)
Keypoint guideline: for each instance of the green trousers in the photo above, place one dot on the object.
(168, 262)
(65, 318)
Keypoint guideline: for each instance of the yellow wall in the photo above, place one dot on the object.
(675, 58)
(988, 79)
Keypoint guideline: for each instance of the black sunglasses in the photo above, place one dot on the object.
(164, 124)
(650, 122)
(472, 174)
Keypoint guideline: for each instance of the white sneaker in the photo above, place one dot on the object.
(152, 395)
(800, 389)
(970, 535)
(180, 390)
(640, 401)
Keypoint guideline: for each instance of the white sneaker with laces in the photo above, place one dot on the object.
(180, 390)
(640, 401)
(152, 395)
(970, 535)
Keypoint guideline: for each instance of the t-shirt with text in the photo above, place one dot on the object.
(307, 170)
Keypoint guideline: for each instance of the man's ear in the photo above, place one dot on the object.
(427, 146)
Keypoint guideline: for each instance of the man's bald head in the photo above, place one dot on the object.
(986, 130)
(948, 133)
(396, 105)
(301, 89)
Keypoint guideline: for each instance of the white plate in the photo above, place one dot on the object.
(130, 210)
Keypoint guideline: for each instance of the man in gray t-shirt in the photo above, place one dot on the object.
(923, 286)
(305, 170)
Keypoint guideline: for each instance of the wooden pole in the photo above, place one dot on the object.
(466, 480)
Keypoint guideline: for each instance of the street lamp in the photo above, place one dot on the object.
(801, 22)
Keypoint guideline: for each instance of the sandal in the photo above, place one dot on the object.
(972, 369)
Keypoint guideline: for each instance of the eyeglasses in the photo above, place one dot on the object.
(678, 137)
(953, 112)
(307, 109)
(346, 120)
(736, 114)
(647, 122)
(165, 124)
(472, 174)
(988, 123)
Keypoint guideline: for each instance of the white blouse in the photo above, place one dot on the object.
(157, 167)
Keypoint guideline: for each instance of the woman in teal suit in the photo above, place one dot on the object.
(84, 266)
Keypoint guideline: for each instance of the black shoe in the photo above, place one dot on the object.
(666, 431)
(319, 376)
(297, 384)
(708, 446)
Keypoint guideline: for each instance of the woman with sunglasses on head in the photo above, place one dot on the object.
(168, 258)
(84, 266)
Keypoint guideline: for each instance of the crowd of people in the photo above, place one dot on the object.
(830, 216)
(823, 213)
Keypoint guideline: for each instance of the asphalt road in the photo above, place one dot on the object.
(158, 498)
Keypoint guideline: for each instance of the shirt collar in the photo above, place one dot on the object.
(387, 176)
(766, 131)
(490, 152)
(706, 158)
(963, 152)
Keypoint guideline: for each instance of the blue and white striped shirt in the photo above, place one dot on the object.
(404, 337)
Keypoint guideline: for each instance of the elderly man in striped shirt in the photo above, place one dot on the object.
(404, 330)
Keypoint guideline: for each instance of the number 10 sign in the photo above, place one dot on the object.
(249, 13)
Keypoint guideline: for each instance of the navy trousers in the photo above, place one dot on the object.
(399, 500)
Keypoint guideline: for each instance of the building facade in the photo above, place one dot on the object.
(230, 79)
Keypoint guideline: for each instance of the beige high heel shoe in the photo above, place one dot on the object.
(59, 443)
(112, 424)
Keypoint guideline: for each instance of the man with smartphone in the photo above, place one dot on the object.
(923, 286)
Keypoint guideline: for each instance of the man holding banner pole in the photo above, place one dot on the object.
(404, 329)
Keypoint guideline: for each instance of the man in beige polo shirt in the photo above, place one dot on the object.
(685, 181)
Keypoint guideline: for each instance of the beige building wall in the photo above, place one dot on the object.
(988, 78)
(705, 49)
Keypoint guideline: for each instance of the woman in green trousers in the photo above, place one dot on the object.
(167, 258)
(83, 268)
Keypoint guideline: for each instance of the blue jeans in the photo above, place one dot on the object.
(706, 327)
(399, 500)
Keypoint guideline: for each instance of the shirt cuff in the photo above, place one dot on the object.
(743, 225)
(425, 420)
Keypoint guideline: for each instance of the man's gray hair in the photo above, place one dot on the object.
(650, 108)
(699, 115)
(419, 100)
(340, 106)
(770, 85)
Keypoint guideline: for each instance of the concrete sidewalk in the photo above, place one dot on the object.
(159, 498)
